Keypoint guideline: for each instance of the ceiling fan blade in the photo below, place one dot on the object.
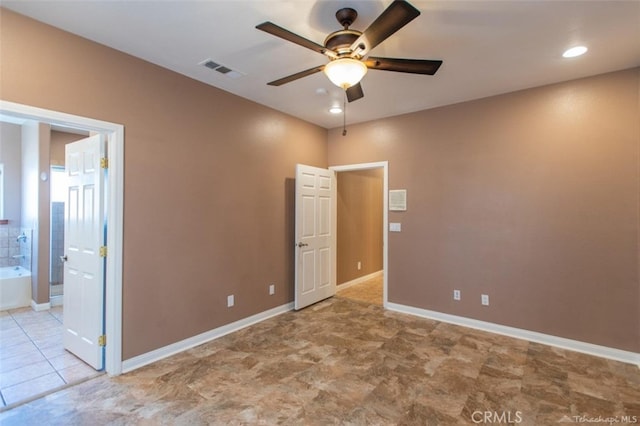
(273, 29)
(354, 93)
(397, 15)
(413, 66)
(296, 76)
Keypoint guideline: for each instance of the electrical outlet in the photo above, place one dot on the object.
(230, 301)
(485, 299)
(359, 265)
(272, 289)
(456, 294)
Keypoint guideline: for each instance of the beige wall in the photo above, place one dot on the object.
(208, 180)
(35, 204)
(58, 141)
(359, 223)
(530, 197)
(11, 157)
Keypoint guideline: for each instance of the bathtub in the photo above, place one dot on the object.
(15, 287)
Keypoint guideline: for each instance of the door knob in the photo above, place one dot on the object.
(302, 244)
(63, 258)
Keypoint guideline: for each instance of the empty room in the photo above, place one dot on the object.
(319, 212)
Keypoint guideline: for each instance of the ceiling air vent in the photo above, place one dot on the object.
(228, 72)
(223, 70)
(210, 64)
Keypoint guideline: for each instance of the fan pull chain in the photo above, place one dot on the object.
(344, 115)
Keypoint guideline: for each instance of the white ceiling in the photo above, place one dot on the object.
(488, 47)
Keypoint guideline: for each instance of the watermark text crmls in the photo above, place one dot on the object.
(489, 417)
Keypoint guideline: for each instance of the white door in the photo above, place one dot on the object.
(83, 237)
(315, 235)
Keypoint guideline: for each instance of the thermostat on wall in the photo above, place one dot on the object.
(398, 200)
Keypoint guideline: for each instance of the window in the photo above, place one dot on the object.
(58, 184)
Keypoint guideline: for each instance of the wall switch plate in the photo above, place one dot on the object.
(456, 294)
(272, 289)
(485, 299)
(395, 227)
(230, 301)
(359, 265)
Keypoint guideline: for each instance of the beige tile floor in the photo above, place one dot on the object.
(32, 358)
(342, 361)
(345, 362)
(33, 361)
(369, 292)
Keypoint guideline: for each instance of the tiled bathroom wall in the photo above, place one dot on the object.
(12, 251)
(57, 242)
(26, 249)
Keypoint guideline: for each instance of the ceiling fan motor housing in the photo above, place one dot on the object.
(341, 41)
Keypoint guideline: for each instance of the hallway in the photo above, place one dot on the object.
(369, 291)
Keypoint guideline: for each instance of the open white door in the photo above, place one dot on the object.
(315, 235)
(83, 238)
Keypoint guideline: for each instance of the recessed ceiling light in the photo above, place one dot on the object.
(574, 51)
(335, 110)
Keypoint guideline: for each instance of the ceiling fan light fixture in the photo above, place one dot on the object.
(345, 72)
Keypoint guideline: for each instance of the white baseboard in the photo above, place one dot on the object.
(40, 306)
(359, 280)
(518, 333)
(166, 351)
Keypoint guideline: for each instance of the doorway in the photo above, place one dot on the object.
(59, 138)
(19, 114)
(56, 236)
(353, 263)
(37, 355)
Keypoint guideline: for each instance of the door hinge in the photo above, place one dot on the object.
(103, 251)
(102, 340)
(104, 163)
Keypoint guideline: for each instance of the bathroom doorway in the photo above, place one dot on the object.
(33, 357)
(56, 267)
(59, 138)
(114, 133)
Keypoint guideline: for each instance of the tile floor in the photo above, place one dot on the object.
(369, 291)
(32, 358)
(342, 361)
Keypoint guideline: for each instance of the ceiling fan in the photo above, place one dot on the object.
(347, 49)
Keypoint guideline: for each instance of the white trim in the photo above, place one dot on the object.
(385, 216)
(56, 300)
(359, 280)
(115, 234)
(174, 348)
(518, 333)
(115, 190)
(40, 306)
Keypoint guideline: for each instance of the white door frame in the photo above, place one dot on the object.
(385, 215)
(17, 113)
